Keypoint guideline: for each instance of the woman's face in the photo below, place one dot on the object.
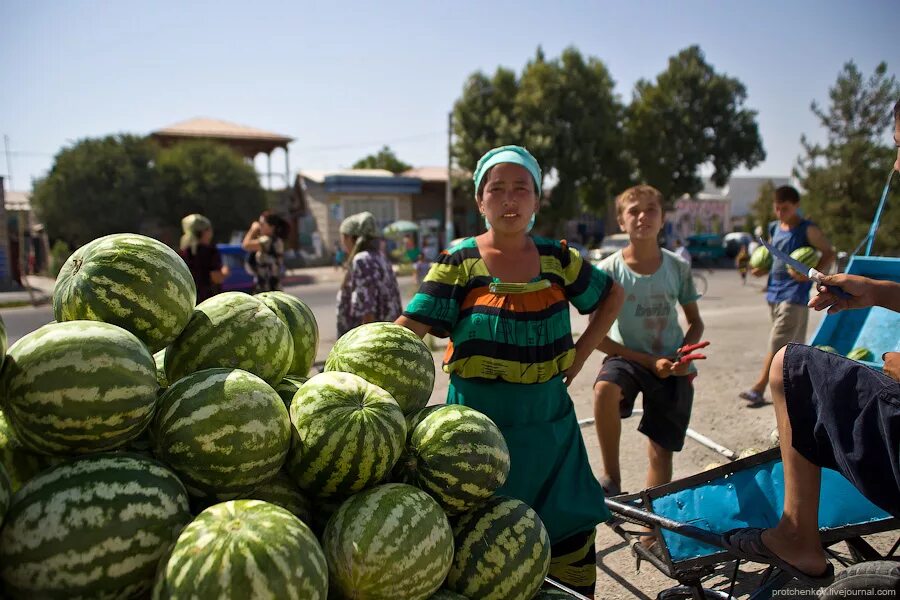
(348, 242)
(508, 199)
(265, 228)
(206, 237)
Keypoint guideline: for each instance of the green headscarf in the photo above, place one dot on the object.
(359, 225)
(192, 227)
(516, 155)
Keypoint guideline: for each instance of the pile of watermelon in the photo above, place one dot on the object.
(153, 448)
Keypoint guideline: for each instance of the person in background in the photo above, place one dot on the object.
(340, 255)
(264, 242)
(787, 291)
(682, 252)
(423, 265)
(369, 291)
(503, 298)
(742, 262)
(201, 256)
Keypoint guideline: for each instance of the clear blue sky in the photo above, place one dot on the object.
(344, 78)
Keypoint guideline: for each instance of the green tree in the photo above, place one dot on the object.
(383, 159)
(761, 210)
(689, 117)
(97, 187)
(210, 179)
(843, 177)
(565, 112)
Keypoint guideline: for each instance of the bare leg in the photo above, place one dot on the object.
(609, 427)
(796, 537)
(763, 381)
(660, 470)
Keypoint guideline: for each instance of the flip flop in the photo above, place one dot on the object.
(610, 487)
(746, 543)
(752, 396)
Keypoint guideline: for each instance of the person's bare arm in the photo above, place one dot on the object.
(420, 329)
(693, 334)
(660, 365)
(864, 292)
(600, 321)
(818, 241)
(251, 238)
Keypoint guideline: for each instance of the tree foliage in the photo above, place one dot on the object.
(383, 159)
(843, 177)
(689, 117)
(761, 213)
(125, 183)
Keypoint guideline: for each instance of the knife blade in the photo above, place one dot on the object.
(798, 266)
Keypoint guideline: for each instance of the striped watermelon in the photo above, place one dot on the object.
(224, 431)
(414, 418)
(232, 330)
(390, 542)
(761, 258)
(288, 387)
(348, 435)
(245, 549)
(20, 463)
(94, 527)
(129, 280)
(502, 551)
(391, 357)
(79, 387)
(160, 359)
(457, 455)
(443, 594)
(6, 492)
(860, 354)
(282, 491)
(808, 255)
(303, 327)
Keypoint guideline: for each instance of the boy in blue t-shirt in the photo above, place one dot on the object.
(643, 342)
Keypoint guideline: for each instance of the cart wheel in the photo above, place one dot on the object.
(873, 576)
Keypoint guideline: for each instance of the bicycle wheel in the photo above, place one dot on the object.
(699, 282)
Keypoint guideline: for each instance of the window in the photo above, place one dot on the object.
(384, 209)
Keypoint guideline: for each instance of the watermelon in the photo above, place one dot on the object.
(129, 280)
(94, 527)
(245, 549)
(348, 434)
(301, 323)
(414, 418)
(860, 354)
(20, 463)
(282, 491)
(443, 594)
(761, 259)
(807, 255)
(390, 356)
(6, 492)
(79, 387)
(224, 431)
(392, 541)
(502, 551)
(288, 387)
(457, 455)
(160, 359)
(825, 348)
(232, 330)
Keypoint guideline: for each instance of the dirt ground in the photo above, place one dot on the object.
(737, 327)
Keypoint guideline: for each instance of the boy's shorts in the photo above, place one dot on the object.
(788, 324)
(846, 416)
(667, 402)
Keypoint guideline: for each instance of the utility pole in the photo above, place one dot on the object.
(448, 190)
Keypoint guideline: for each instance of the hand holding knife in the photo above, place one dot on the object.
(798, 266)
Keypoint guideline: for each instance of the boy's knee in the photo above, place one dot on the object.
(605, 391)
(658, 454)
(776, 369)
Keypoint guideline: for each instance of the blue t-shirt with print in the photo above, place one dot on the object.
(648, 320)
(781, 286)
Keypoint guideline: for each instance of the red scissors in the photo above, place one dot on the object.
(686, 353)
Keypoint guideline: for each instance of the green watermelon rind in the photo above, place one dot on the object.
(392, 541)
(761, 258)
(93, 527)
(79, 387)
(245, 549)
(861, 353)
(301, 322)
(129, 280)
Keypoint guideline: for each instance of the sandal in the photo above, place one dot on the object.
(752, 396)
(610, 487)
(746, 543)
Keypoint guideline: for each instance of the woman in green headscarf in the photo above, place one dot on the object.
(503, 298)
(369, 291)
(201, 255)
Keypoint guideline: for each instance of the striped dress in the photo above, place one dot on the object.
(509, 346)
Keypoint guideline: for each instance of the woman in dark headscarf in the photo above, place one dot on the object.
(369, 291)
(201, 255)
(264, 242)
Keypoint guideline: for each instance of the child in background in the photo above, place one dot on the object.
(742, 262)
(643, 343)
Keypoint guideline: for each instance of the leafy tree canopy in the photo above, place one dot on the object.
(383, 159)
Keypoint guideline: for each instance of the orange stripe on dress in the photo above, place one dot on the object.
(521, 303)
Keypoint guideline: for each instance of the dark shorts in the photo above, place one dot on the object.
(573, 562)
(667, 402)
(846, 416)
